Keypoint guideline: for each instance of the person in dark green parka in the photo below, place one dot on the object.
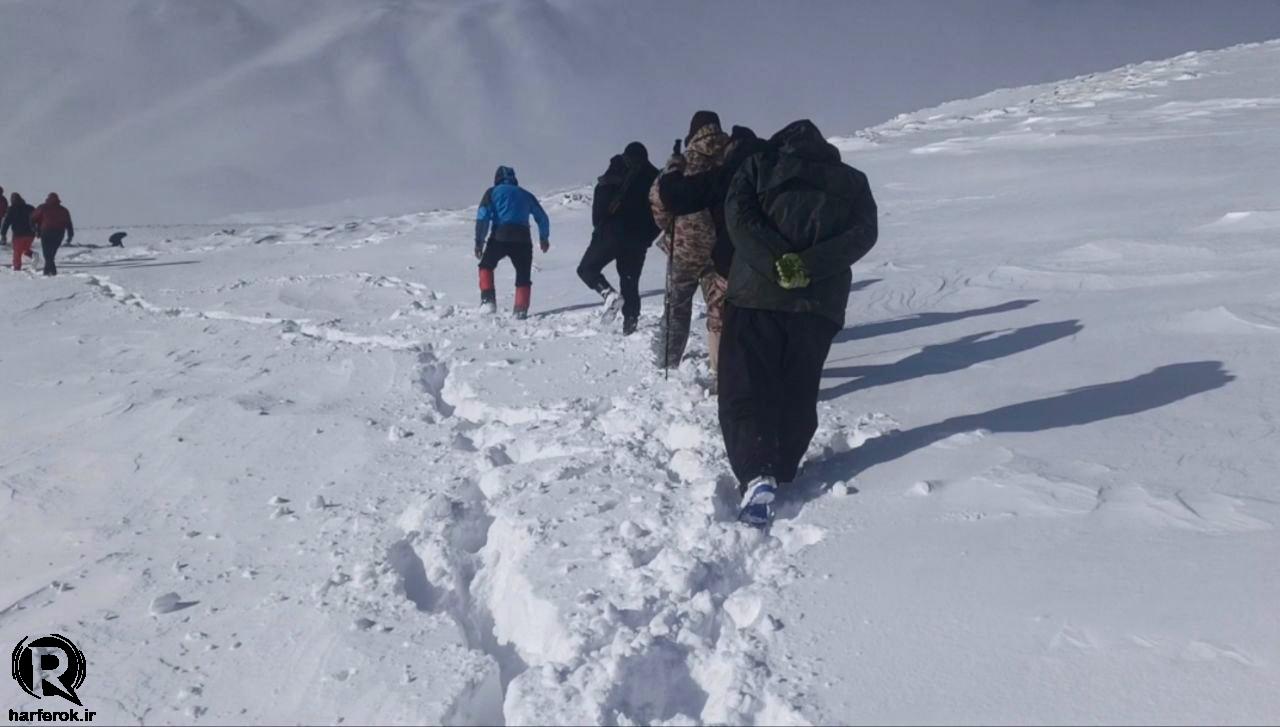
(798, 218)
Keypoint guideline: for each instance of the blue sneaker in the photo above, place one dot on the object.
(757, 503)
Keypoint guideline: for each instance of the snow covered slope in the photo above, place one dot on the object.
(1044, 489)
(181, 111)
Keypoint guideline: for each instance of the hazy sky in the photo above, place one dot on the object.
(145, 110)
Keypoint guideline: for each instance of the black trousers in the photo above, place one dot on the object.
(629, 263)
(770, 372)
(521, 254)
(49, 243)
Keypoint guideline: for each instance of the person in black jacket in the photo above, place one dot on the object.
(18, 219)
(798, 219)
(684, 194)
(623, 230)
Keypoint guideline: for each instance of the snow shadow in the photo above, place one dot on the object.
(923, 320)
(656, 686)
(1156, 388)
(944, 358)
(863, 284)
(855, 287)
(593, 304)
(132, 262)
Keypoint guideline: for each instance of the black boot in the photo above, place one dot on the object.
(629, 325)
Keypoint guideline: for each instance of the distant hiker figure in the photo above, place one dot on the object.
(117, 239)
(622, 231)
(4, 210)
(18, 218)
(798, 218)
(503, 216)
(693, 238)
(684, 193)
(53, 223)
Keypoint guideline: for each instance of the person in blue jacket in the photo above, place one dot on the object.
(503, 217)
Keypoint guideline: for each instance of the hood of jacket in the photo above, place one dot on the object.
(616, 172)
(53, 199)
(743, 142)
(505, 175)
(802, 139)
(636, 154)
(705, 149)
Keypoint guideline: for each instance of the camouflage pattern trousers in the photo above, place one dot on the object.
(683, 282)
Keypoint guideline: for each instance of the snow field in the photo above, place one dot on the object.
(288, 473)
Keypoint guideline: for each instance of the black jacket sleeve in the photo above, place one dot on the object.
(685, 194)
(755, 241)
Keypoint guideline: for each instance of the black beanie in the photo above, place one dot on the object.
(701, 119)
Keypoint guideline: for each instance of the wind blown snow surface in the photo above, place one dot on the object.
(283, 474)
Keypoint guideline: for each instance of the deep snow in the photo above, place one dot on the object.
(1043, 490)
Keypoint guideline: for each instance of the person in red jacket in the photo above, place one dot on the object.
(53, 223)
(18, 218)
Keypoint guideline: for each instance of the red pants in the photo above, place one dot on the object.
(21, 246)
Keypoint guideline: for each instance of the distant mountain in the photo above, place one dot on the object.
(184, 111)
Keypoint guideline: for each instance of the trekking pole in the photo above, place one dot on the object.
(666, 299)
(666, 311)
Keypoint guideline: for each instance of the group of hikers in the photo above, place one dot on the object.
(767, 228)
(51, 222)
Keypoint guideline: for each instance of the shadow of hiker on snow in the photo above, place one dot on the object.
(944, 358)
(129, 262)
(594, 304)
(855, 287)
(1156, 388)
(923, 320)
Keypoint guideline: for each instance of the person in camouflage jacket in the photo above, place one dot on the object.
(689, 240)
(684, 194)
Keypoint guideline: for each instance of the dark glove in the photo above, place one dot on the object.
(791, 272)
(479, 250)
(675, 163)
(546, 245)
